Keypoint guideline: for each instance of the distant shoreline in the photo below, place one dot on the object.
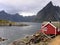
(14, 25)
(10, 23)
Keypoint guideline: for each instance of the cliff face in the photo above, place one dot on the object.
(49, 12)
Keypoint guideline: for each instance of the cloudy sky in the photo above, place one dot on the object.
(25, 7)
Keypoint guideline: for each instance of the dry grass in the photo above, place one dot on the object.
(55, 41)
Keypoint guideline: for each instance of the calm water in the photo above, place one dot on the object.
(15, 32)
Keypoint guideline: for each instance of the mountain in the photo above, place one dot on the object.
(11, 17)
(48, 13)
(14, 17)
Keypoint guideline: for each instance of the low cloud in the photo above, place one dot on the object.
(19, 6)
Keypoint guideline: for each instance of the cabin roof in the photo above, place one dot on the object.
(56, 24)
(47, 24)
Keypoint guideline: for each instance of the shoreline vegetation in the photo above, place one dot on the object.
(10, 23)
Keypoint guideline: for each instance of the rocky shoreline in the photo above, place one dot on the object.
(35, 39)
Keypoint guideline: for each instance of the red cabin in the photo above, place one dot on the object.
(50, 29)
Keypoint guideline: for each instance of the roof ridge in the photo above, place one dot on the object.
(50, 24)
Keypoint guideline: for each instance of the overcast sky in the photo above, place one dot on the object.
(25, 7)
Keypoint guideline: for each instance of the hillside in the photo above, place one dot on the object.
(49, 12)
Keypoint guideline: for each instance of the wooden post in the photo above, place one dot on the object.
(55, 32)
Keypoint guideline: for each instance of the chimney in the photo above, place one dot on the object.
(50, 21)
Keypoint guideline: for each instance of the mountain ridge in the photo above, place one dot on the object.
(49, 12)
(14, 17)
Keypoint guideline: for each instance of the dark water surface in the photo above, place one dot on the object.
(15, 32)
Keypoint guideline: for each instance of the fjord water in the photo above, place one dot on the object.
(16, 32)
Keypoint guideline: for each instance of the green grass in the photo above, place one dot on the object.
(57, 24)
(4, 21)
(7, 23)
